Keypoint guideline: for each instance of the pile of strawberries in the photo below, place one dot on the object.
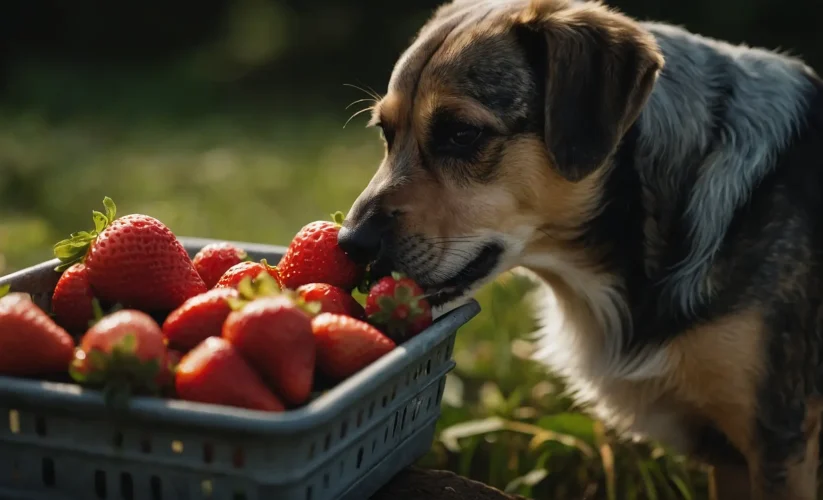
(132, 313)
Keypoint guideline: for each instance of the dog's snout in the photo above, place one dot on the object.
(362, 239)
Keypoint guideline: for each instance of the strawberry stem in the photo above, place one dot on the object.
(338, 218)
(75, 248)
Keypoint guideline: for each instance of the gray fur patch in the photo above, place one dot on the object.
(763, 95)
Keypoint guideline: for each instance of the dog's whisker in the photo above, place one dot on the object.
(367, 99)
(371, 93)
(357, 114)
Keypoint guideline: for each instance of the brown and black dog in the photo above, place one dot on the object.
(665, 187)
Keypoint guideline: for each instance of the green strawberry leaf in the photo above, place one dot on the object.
(4, 290)
(76, 374)
(127, 344)
(100, 221)
(386, 303)
(111, 209)
(97, 359)
(403, 294)
(338, 218)
(397, 275)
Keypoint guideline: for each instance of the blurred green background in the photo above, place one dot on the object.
(224, 119)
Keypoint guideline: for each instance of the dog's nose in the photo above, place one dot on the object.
(362, 240)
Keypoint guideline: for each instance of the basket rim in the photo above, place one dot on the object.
(32, 393)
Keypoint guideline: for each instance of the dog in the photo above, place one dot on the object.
(665, 187)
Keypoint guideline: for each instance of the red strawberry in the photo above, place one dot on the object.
(397, 305)
(236, 273)
(331, 299)
(123, 352)
(346, 345)
(214, 259)
(71, 300)
(133, 260)
(214, 372)
(31, 343)
(274, 334)
(199, 318)
(314, 257)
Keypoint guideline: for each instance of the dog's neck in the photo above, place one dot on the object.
(713, 127)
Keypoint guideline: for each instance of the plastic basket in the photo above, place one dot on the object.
(57, 440)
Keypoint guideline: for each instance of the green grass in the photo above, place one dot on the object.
(506, 421)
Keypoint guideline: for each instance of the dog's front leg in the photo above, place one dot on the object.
(786, 463)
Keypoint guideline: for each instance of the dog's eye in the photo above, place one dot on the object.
(463, 135)
(387, 134)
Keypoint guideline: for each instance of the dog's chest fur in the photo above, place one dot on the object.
(714, 128)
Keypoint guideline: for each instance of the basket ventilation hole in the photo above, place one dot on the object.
(373, 445)
(145, 445)
(359, 457)
(371, 409)
(156, 488)
(117, 440)
(326, 481)
(206, 488)
(385, 401)
(100, 483)
(403, 420)
(48, 472)
(429, 367)
(308, 493)
(327, 443)
(126, 486)
(311, 451)
(386, 436)
(14, 421)
(396, 421)
(40, 425)
(394, 393)
(238, 459)
(429, 403)
(208, 453)
(177, 446)
(343, 429)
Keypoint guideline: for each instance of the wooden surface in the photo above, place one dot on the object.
(421, 484)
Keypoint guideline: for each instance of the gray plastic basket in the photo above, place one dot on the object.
(61, 443)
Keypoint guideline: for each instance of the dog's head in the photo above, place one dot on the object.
(499, 123)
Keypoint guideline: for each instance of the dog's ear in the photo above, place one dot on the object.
(596, 69)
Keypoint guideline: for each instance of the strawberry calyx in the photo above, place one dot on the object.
(4, 290)
(74, 249)
(119, 373)
(397, 311)
(264, 285)
(338, 218)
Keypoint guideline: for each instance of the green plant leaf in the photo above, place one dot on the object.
(530, 479)
(451, 435)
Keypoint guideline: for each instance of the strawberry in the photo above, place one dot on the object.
(31, 343)
(397, 305)
(133, 260)
(214, 259)
(200, 317)
(214, 372)
(123, 352)
(71, 301)
(234, 275)
(346, 345)
(274, 334)
(331, 299)
(313, 256)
